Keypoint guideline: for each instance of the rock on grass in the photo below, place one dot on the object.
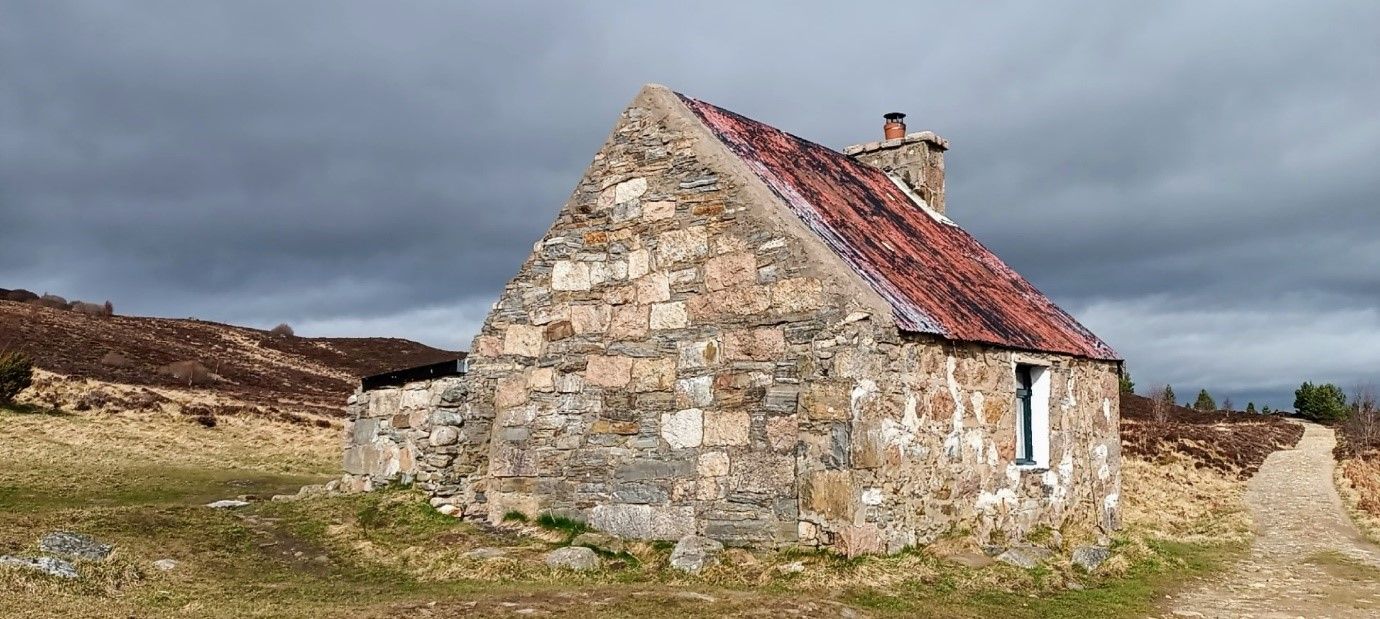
(48, 565)
(1089, 557)
(576, 558)
(74, 546)
(693, 553)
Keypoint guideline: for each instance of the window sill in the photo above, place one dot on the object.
(1032, 467)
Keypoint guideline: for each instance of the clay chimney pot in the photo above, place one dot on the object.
(895, 127)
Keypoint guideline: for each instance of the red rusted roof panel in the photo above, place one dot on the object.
(937, 278)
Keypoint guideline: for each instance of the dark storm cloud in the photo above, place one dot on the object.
(1195, 181)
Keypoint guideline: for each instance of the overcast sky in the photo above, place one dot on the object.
(1196, 182)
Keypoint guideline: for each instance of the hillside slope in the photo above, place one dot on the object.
(245, 364)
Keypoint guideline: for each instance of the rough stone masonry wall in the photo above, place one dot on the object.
(906, 438)
(386, 426)
(675, 358)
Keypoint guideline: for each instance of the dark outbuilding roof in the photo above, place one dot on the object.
(937, 278)
(403, 376)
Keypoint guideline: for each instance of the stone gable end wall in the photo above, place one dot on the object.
(675, 358)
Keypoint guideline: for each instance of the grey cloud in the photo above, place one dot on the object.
(354, 168)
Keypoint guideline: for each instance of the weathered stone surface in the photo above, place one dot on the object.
(695, 392)
(48, 565)
(730, 270)
(512, 391)
(693, 554)
(654, 287)
(656, 211)
(645, 522)
(1025, 557)
(599, 541)
(680, 245)
(74, 546)
(713, 464)
(1090, 557)
(486, 554)
(443, 435)
(609, 371)
(672, 315)
(575, 558)
(726, 428)
(227, 504)
(590, 318)
(523, 340)
(628, 190)
(652, 374)
(629, 322)
(683, 429)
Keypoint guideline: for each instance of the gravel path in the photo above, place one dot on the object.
(1308, 559)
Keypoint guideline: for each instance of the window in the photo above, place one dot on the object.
(1032, 416)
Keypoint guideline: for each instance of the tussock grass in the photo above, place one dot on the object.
(138, 480)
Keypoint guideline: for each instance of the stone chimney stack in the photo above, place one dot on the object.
(916, 158)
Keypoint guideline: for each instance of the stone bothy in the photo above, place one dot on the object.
(732, 332)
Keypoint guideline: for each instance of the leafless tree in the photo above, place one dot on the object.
(1228, 406)
(1159, 404)
(1364, 425)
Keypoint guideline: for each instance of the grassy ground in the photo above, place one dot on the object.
(140, 482)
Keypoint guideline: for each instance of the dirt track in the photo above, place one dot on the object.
(1308, 559)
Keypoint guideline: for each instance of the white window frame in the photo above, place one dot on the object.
(1038, 459)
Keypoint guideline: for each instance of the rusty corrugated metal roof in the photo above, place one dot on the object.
(937, 278)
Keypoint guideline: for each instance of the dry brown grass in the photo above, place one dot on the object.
(1358, 482)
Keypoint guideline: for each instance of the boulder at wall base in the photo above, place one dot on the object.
(600, 542)
(1025, 557)
(1089, 557)
(74, 546)
(693, 553)
(576, 558)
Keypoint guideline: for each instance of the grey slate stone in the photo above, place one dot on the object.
(74, 546)
(1025, 557)
(1089, 557)
(577, 558)
(48, 565)
(693, 553)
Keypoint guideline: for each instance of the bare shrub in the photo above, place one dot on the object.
(89, 309)
(115, 360)
(201, 414)
(93, 399)
(20, 295)
(1362, 430)
(145, 400)
(282, 330)
(190, 372)
(108, 308)
(54, 301)
(1160, 404)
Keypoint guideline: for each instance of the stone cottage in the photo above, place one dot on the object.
(733, 332)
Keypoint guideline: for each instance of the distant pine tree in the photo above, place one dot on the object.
(1321, 403)
(1169, 395)
(1204, 401)
(1250, 408)
(1127, 385)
